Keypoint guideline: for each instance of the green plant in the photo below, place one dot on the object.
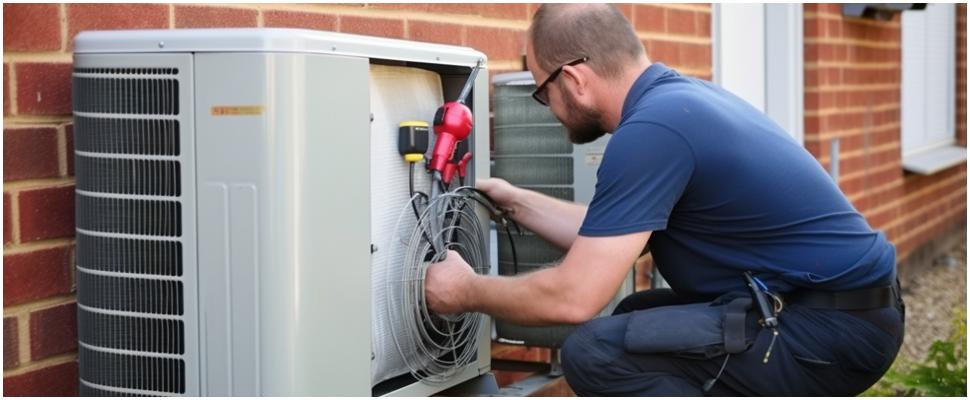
(942, 373)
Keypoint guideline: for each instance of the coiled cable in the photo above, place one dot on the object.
(435, 347)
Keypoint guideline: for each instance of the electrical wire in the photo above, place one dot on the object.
(500, 216)
(434, 347)
(413, 202)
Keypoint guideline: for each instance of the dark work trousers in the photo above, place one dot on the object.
(819, 352)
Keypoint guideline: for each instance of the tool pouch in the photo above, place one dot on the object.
(698, 330)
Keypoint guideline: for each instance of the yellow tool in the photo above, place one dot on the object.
(413, 137)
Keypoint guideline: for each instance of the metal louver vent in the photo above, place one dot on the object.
(130, 275)
(533, 151)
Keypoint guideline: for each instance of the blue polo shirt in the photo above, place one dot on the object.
(725, 190)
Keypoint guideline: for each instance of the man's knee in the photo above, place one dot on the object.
(587, 354)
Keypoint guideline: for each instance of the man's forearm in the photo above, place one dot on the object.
(555, 220)
(530, 299)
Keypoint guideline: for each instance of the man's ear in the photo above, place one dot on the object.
(577, 76)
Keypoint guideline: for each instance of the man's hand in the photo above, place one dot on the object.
(504, 193)
(446, 285)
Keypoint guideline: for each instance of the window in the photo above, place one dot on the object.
(928, 88)
(755, 44)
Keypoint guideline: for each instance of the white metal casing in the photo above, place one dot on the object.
(275, 144)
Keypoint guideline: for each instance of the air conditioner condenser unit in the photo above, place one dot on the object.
(240, 208)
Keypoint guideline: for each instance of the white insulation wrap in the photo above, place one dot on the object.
(396, 94)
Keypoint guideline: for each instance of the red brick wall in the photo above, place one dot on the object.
(852, 93)
(39, 307)
(39, 341)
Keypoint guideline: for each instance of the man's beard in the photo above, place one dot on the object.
(582, 123)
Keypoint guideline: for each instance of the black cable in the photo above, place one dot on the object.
(414, 206)
(485, 200)
(515, 258)
(710, 382)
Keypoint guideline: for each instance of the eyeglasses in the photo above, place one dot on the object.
(540, 93)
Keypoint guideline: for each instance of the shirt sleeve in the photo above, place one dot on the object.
(646, 168)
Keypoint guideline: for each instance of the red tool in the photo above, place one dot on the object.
(461, 167)
(452, 123)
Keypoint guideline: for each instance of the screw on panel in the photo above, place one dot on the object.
(371, 117)
(373, 248)
(333, 48)
(161, 45)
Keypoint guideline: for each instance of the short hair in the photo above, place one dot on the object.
(561, 33)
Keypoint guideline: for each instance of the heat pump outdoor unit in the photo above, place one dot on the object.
(243, 213)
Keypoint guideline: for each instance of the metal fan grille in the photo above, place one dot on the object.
(129, 220)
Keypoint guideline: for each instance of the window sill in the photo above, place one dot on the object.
(929, 162)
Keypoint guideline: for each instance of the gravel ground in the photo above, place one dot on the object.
(930, 298)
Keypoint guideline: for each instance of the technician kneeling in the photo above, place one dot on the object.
(780, 287)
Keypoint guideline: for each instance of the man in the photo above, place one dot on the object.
(717, 190)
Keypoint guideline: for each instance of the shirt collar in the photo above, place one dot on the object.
(642, 84)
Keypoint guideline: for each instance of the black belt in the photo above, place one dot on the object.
(859, 299)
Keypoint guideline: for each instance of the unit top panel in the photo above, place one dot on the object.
(272, 40)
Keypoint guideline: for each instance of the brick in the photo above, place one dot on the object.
(214, 17)
(56, 380)
(514, 11)
(36, 275)
(835, 28)
(6, 89)
(305, 20)
(44, 88)
(453, 8)
(497, 43)
(89, 17)
(29, 153)
(650, 19)
(53, 331)
(69, 151)
(811, 54)
(703, 24)
(695, 56)
(665, 52)
(681, 22)
(372, 26)
(435, 32)
(812, 101)
(11, 345)
(813, 28)
(7, 219)
(31, 27)
(46, 213)
(813, 124)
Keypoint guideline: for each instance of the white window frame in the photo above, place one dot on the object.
(770, 76)
(928, 89)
